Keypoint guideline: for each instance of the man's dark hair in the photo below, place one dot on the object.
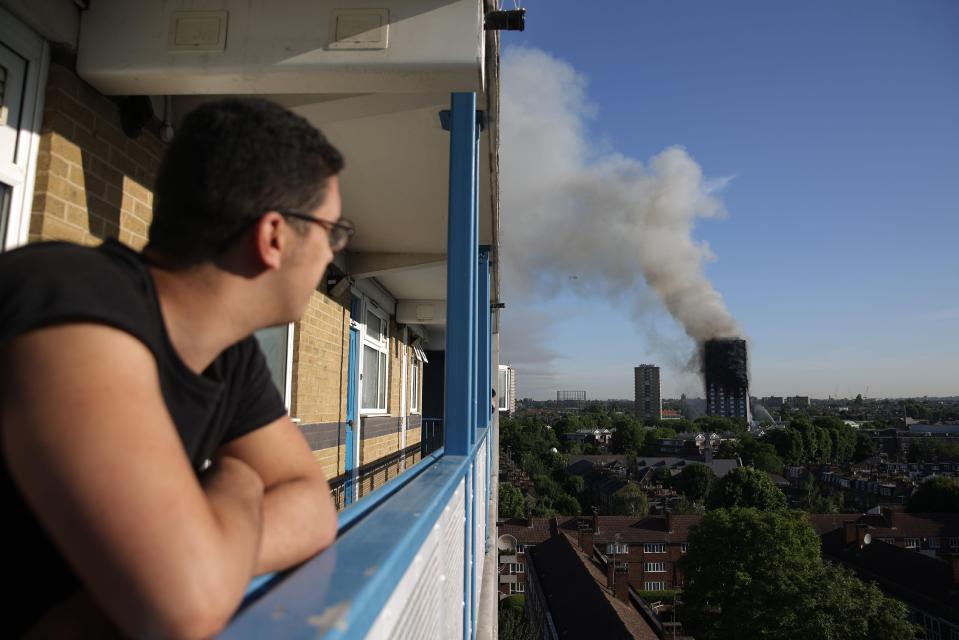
(232, 161)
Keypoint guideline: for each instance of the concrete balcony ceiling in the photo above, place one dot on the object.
(379, 107)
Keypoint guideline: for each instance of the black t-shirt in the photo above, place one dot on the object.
(57, 283)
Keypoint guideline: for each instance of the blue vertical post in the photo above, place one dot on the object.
(462, 264)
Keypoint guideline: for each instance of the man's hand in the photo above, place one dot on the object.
(91, 445)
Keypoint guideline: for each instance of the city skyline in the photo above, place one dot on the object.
(815, 141)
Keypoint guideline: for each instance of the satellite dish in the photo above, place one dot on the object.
(866, 539)
(506, 543)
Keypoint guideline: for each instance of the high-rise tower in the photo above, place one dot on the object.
(726, 377)
(648, 398)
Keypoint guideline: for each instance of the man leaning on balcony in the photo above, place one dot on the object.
(149, 466)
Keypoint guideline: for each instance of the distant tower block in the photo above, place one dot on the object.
(571, 398)
(648, 398)
(726, 378)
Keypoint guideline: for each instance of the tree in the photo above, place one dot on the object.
(512, 622)
(865, 447)
(936, 495)
(695, 481)
(511, 501)
(754, 574)
(760, 454)
(788, 444)
(628, 436)
(746, 487)
(630, 501)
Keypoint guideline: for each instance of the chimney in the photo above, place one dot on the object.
(553, 526)
(610, 572)
(621, 592)
(861, 535)
(586, 541)
(595, 520)
(669, 521)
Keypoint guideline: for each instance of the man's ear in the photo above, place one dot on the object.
(269, 239)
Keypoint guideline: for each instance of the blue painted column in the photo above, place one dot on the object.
(462, 262)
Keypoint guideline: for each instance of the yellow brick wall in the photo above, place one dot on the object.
(332, 460)
(379, 446)
(321, 345)
(413, 436)
(92, 181)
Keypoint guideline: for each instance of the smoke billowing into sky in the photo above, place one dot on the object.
(583, 219)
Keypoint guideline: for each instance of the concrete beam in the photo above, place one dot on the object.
(370, 265)
(428, 312)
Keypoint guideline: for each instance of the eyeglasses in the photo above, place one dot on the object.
(339, 233)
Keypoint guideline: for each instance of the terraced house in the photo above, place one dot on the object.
(402, 334)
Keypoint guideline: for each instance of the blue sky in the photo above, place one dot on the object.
(838, 124)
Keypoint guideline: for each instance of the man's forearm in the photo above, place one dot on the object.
(299, 520)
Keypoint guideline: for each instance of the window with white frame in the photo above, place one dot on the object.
(654, 547)
(954, 543)
(654, 586)
(912, 543)
(887, 540)
(374, 365)
(519, 567)
(276, 343)
(655, 567)
(520, 587)
(502, 389)
(684, 547)
(23, 66)
(521, 548)
(618, 548)
(414, 385)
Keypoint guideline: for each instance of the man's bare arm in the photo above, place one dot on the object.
(89, 441)
(299, 518)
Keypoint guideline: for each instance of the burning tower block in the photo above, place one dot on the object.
(726, 374)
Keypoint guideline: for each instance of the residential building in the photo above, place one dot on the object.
(726, 378)
(799, 402)
(774, 402)
(648, 392)
(506, 390)
(408, 92)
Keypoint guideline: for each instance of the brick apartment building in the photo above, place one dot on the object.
(85, 106)
(642, 550)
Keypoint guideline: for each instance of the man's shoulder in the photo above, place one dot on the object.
(54, 282)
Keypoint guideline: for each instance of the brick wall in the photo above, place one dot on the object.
(92, 181)
(321, 344)
(332, 460)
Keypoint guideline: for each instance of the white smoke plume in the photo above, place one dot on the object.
(617, 224)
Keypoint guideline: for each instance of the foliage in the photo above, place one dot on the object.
(511, 501)
(686, 507)
(788, 444)
(628, 436)
(512, 621)
(759, 454)
(630, 501)
(936, 495)
(865, 447)
(754, 574)
(664, 595)
(719, 424)
(695, 481)
(746, 487)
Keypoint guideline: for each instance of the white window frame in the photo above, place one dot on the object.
(287, 374)
(381, 346)
(415, 369)
(520, 587)
(654, 547)
(954, 543)
(657, 585)
(684, 547)
(519, 567)
(912, 543)
(20, 174)
(654, 567)
(617, 548)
